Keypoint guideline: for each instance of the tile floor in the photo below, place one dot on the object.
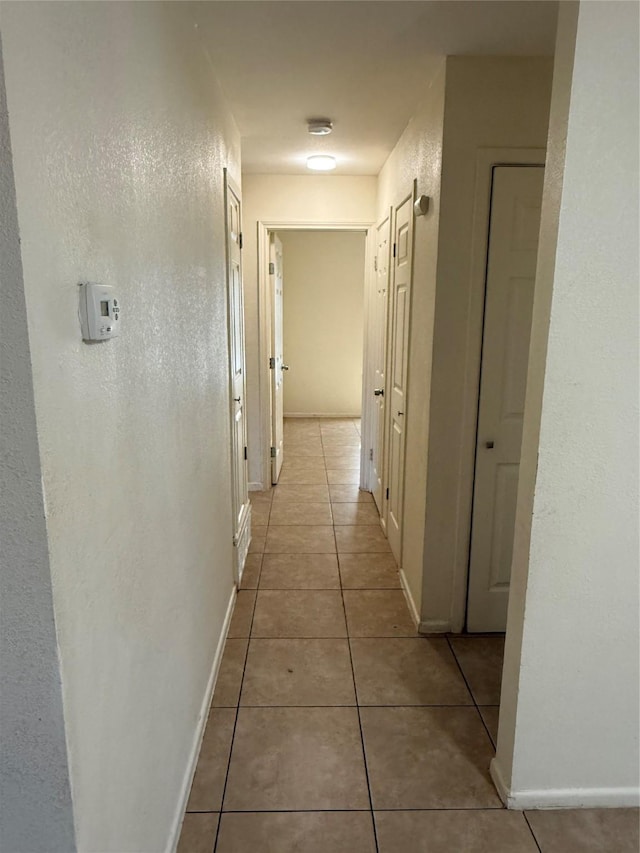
(335, 727)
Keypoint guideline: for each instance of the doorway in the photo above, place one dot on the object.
(514, 225)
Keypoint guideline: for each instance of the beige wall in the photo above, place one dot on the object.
(569, 714)
(290, 199)
(120, 135)
(490, 103)
(418, 156)
(323, 322)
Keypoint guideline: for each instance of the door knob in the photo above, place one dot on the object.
(378, 392)
(285, 367)
(489, 445)
(400, 414)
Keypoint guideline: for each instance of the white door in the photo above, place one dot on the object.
(239, 474)
(398, 365)
(276, 362)
(379, 355)
(513, 242)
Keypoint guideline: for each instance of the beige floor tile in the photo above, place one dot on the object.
(303, 463)
(335, 444)
(298, 672)
(347, 458)
(355, 513)
(490, 715)
(296, 832)
(198, 833)
(481, 661)
(407, 672)
(454, 831)
(349, 494)
(260, 513)
(368, 571)
(378, 613)
(299, 494)
(312, 476)
(343, 476)
(428, 758)
(242, 614)
(311, 448)
(299, 429)
(299, 613)
(302, 513)
(296, 759)
(258, 537)
(229, 679)
(251, 572)
(264, 495)
(586, 830)
(361, 539)
(208, 782)
(300, 539)
(300, 571)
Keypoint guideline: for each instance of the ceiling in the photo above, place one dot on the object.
(365, 65)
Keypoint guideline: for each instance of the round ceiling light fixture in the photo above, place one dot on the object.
(321, 163)
(319, 126)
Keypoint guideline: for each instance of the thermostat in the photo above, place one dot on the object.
(99, 312)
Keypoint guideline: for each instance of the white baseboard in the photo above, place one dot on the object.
(407, 594)
(435, 626)
(321, 415)
(176, 826)
(256, 487)
(564, 798)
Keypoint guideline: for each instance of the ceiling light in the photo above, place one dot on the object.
(319, 126)
(321, 163)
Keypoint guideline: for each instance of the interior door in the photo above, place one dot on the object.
(513, 242)
(276, 361)
(398, 366)
(239, 473)
(383, 233)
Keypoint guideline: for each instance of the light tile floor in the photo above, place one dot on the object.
(335, 727)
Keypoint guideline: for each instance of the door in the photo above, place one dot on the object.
(383, 233)
(398, 366)
(239, 474)
(276, 362)
(513, 242)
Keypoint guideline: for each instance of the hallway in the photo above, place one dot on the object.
(340, 708)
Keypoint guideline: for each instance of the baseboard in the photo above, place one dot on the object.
(407, 594)
(434, 626)
(256, 487)
(176, 826)
(321, 415)
(564, 798)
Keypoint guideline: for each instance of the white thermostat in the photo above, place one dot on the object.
(99, 312)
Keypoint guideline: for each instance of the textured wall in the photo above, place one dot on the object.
(569, 716)
(37, 813)
(120, 136)
(287, 199)
(323, 321)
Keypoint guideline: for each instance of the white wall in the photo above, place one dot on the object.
(418, 156)
(490, 103)
(37, 813)
(286, 199)
(323, 321)
(569, 714)
(120, 135)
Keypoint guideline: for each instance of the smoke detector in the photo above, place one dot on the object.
(319, 126)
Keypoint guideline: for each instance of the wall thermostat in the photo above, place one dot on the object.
(99, 312)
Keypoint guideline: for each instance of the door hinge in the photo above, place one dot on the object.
(387, 494)
(245, 453)
(394, 250)
(375, 263)
(272, 363)
(272, 268)
(240, 240)
(273, 453)
(371, 454)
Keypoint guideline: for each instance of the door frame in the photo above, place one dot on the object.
(264, 334)
(486, 160)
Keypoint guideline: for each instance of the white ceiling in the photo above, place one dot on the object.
(364, 64)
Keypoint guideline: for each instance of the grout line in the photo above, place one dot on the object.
(535, 840)
(477, 707)
(351, 811)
